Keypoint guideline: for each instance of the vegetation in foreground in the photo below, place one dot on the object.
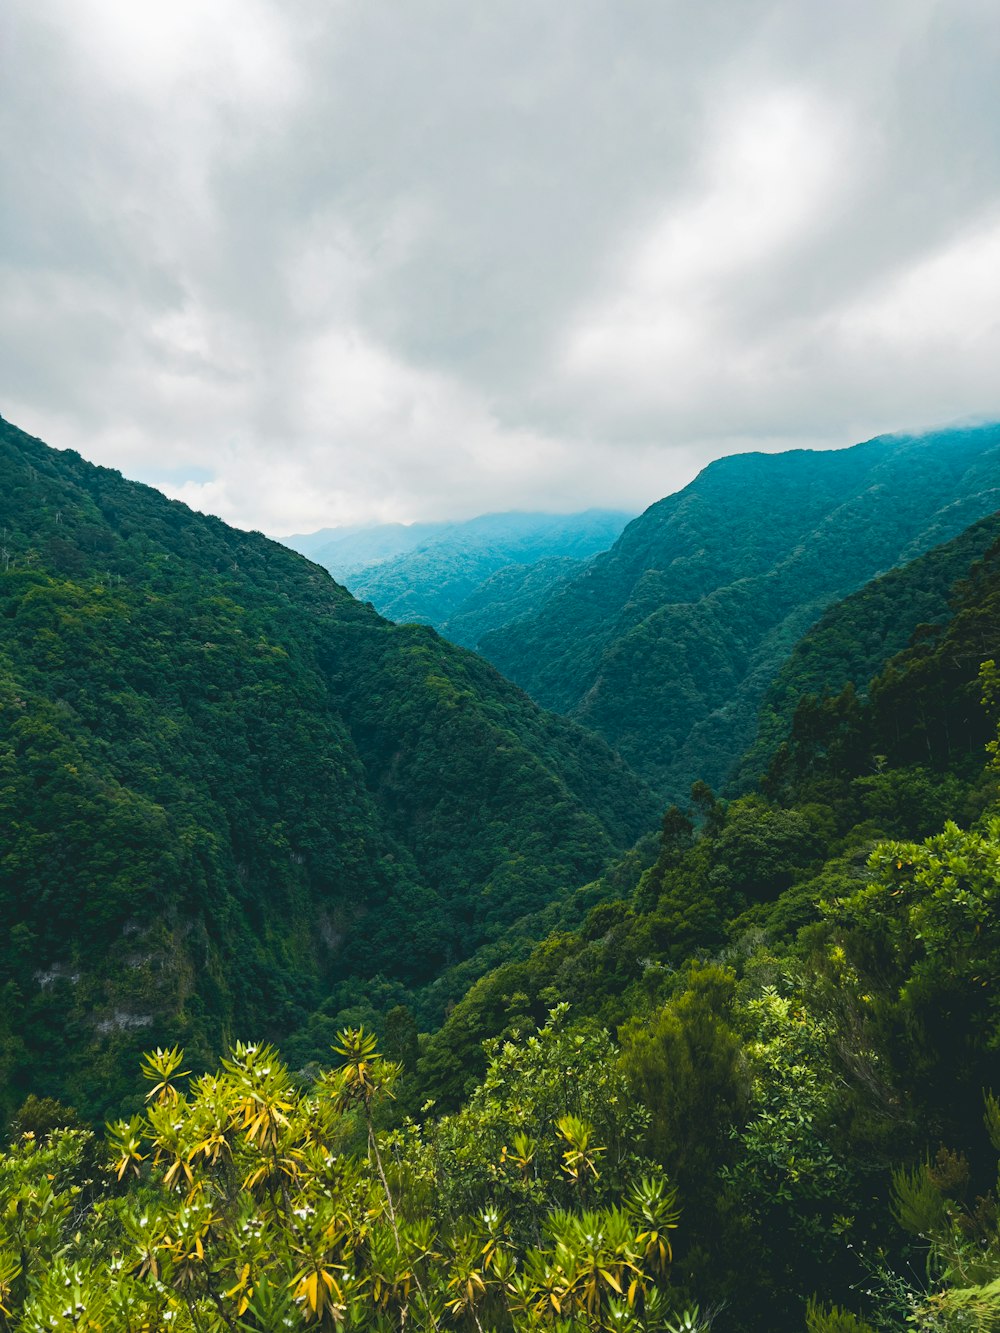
(781, 1138)
(246, 1199)
(754, 1091)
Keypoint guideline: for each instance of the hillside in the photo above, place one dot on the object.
(893, 756)
(344, 551)
(922, 711)
(205, 748)
(803, 986)
(229, 787)
(854, 638)
(424, 573)
(667, 643)
(510, 594)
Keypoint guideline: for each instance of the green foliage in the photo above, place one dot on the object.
(228, 789)
(822, 1318)
(787, 1158)
(686, 1062)
(923, 938)
(39, 1116)
(667, 643)
(234, 1202)
(551, 1123)
(960, 1240)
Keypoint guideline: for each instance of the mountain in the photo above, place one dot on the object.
(512, 593)
(424, 573)
(667, 643)
(854, 638)
(803, 981)
(229, 789)
(923, 711)
(346, 551)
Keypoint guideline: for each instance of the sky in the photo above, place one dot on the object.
(323, 262)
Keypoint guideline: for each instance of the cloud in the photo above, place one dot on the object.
(333, 262)
(676, 321)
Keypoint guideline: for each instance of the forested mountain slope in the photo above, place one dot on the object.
(512, 593)
(892, 758)
(345, 551)
(667, 643)
(922, 711)
(791, 1129)
(804, 988)
(225, 784)
(855, 637)
(424, 573)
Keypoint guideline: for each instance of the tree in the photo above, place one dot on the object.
(235, 1204)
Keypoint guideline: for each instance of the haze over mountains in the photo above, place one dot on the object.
(666, 644)
(426, 572)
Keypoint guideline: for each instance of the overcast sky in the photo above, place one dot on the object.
(332, 261)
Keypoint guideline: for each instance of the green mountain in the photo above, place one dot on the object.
(923, 711)
(230, 792)
(228, 788)
(803, 982)
(425, 573)
(666, 644)
(512, 593)
(347, 550)
(854, 638)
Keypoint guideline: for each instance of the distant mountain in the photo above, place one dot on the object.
(667, 643)
(510, 594)
(229, 791)
(854, 639)
(424, 573)
(345, 551)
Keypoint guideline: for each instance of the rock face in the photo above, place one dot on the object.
(666, 644)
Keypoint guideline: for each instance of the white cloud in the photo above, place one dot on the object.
(231, 50)
(671, 324)
(329, 262)
(948, 303)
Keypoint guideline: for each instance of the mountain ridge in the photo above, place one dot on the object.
(232, 787)
(424, 573)
(665, 643)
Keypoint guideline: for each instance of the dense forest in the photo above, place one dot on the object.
(515, 592)
(854, 638)
(436, 573)
(232, 794)
(736, 1066)
(666, 644)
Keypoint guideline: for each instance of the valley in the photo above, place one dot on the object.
(708, 949)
